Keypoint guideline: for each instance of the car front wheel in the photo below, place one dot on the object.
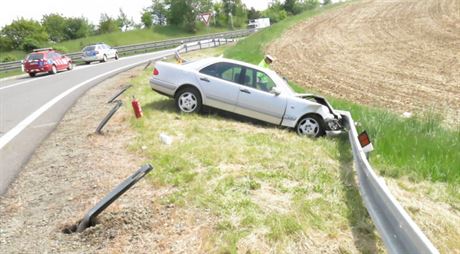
(32, 74)
(104, 59)
(188, 100)
(311, 125)
(70, 66)
(116, 56)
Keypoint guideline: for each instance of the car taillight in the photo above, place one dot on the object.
(155, 72)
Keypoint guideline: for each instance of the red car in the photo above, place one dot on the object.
(46, 60)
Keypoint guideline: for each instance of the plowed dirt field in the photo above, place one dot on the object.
(397, 54)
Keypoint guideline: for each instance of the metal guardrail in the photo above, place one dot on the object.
(147, 47)
(398, 231)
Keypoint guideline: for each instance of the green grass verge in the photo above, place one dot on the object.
(264, 186)
(122, 38)
(418, 147)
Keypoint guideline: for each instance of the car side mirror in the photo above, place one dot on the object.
(276, 91)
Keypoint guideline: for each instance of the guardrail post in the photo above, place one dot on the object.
(108, 116)
(214, 40)
(90, 217)
(199, 44)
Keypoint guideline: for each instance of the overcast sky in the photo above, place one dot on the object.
(34, 9)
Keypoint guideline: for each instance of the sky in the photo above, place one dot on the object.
(33, 9)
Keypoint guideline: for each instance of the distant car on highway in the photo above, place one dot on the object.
(98, 52)
(244, 89)
(46, 60)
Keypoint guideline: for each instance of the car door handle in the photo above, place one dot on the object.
(205, 79)
(245, 91)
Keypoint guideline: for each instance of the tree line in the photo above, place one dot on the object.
(26, 34)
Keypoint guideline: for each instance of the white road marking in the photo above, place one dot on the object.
(5, 139)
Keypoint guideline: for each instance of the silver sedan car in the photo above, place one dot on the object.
(244, 89)
(98, 52)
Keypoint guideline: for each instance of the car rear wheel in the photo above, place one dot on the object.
(188, 100)
(32, 74)
(70, 66)
(87, 62)
(116, 56)
(311, 126)
(53, 70)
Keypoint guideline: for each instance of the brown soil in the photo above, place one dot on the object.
(72, 170)
(400, 55)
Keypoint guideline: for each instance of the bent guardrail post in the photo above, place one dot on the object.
(121, 91)
(108, 116)
(399, 232)
(89, 219)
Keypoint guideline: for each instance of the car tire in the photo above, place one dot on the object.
(87, 62)
(116, 56)
(32, 74)
(311, 125)
(104, 59)
(70, 66)
(53, 70)
(188, 100)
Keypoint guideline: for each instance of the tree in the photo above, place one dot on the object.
(289, 6)
(77, 28)
(184, 12)
(253, 13)
(54, 25)
(147, 18)
(124, 22)
(108, 24)
(24, 34)
(159, 12)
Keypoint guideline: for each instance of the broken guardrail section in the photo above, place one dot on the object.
(90, 217)
(398, 231)
(108, 116)
(120, 92)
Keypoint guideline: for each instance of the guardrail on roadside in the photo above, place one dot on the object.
(147, 47)
(398, 231)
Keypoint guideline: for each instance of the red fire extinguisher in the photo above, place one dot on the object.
(137, 107)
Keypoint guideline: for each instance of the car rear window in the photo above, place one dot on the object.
(89, 48)
(35, 56)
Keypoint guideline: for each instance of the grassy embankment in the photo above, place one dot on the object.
(115, 39)
(268, 189)
(418, 147)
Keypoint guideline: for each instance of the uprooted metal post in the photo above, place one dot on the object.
(90, 217)
(120, 92)
(108, 116)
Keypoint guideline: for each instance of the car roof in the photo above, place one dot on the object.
(198, 64)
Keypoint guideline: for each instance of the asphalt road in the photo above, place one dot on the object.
(30, 108)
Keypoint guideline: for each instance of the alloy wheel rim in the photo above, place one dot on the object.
(309, 127)
(188, 102)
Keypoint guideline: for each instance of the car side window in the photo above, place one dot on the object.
(226, 71)
(258, 80)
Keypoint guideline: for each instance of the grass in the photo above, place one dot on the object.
(122, 38)
(418, 147)
(266, 187)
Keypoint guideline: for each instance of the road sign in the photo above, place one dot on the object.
(206, 17)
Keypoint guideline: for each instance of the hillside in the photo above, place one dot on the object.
(399, 55)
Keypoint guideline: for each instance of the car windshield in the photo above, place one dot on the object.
(35, 56)
(282, 83)
(89, 48)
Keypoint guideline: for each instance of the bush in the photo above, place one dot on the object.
(30, 43)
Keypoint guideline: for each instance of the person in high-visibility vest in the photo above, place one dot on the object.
(268, 59)
(262, 79)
